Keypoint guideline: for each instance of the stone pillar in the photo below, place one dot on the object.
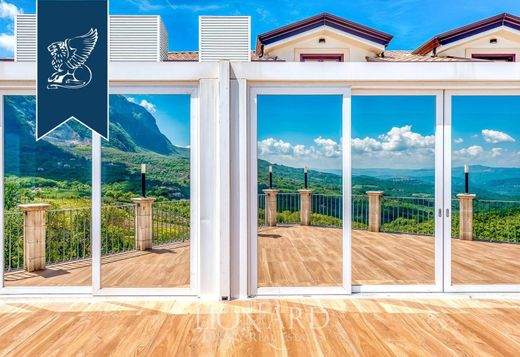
(466, 215)
(34, 225)
(270, 207)
(374, 210)
(143, 222)
(305, 207)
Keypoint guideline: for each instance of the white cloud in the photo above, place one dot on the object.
(495, 136)
(7, 42)
(495, 152)
(398, 147)
(397, 139)
(328, 147)
(148, 106)
(143, 103)
(458, 141)
(471, 151)
(8, 10)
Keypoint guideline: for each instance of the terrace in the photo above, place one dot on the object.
(289, 254)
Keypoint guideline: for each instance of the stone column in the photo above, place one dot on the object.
(305, 207)
(270, 207)
(34, 225)
(466, 215)
(143, 222)
(374, 210)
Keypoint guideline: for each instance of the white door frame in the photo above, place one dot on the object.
(448, 120)
(439, 276)
(251, 146)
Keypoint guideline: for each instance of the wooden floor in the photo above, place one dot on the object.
(164, 266)
(311, 256)
(283, 327)
(301, 256)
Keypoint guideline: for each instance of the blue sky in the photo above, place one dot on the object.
(412, 22)
(387, 131)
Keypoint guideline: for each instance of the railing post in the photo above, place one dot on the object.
(305, 207)
(374, 210)
(270, 207)
(143, 222)
(34, 229)
(466, 215)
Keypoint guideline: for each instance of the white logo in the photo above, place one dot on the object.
(68, 61)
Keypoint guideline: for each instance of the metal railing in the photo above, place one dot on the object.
(414, 215)
(117, 229)
(171, 221)
(327, 210)
(13, 240)
(494, 221)
(67, 235)
(68, 231)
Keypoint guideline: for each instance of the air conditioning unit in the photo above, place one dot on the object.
(224, 38)
(131, 39)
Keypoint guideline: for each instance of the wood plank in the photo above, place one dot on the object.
(283, 327)
(301, 256)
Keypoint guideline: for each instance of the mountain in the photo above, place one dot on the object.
(64, 156)
(132, 127)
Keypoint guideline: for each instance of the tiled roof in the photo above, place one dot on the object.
(193, 56)
(409, 56)
(324, 19)
(445, 38)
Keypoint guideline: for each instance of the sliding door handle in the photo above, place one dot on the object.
(447, 213)
(440, 212)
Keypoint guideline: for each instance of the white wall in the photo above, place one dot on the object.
(507, 43)
(353, 51)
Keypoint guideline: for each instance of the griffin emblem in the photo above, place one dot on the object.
(68, 61)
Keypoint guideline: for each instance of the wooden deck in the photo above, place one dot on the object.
(286, 327)
(311, 256)
(164, 266)
(301, 256)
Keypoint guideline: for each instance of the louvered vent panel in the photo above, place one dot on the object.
(132, 38)
(224, 38)
(25, 30)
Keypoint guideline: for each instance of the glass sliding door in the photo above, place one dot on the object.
(485, 189)
(396, 238)
(146, 192)
(47, 200)
(298, 187)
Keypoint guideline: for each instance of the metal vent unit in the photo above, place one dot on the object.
(132, 39)
(25, 31)
(224, 38)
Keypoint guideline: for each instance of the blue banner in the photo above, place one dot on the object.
(72, 61)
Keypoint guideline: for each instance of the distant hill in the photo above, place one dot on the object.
(486, 182)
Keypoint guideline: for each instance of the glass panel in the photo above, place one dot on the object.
(51, 179)
(145, 236)
(393, 189)
(299, 225)
(486, 213)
